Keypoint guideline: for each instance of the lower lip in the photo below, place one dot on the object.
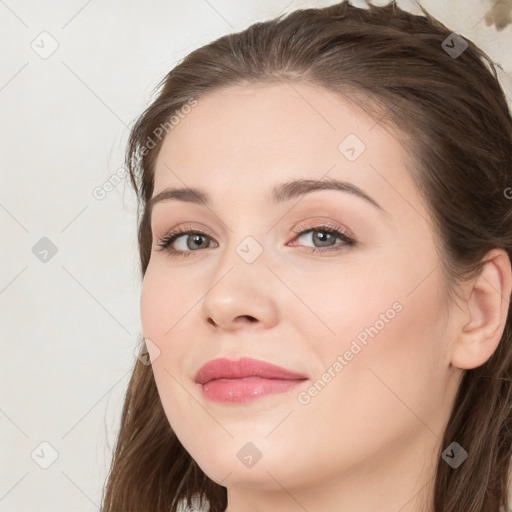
(246, 389)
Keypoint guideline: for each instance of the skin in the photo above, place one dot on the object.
(369, 439)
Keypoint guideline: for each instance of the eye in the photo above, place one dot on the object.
(182, 232)
(327, 236)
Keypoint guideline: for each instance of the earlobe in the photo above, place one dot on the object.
(486, 308)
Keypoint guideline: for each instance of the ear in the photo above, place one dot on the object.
(485, 312)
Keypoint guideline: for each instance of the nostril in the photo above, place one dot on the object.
(248, 318)
(242, 318)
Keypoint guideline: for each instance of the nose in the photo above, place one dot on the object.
(242, 296)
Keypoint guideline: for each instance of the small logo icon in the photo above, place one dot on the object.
(351, 147)
(44, 455)
(146, 352)
(44, 250)
(454, 45)
(454, 455)
(249, 249)
(249, 454)
(45, 45)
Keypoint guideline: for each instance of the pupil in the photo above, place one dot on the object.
(324, 235)
(196, 238)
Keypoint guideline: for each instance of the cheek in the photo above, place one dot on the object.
(394, 358)
(347, 302)
(163, 301)
(161, 307)
(168, 312)
(390, 389)
(386, 319)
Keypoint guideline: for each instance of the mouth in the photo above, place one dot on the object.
(245, 379)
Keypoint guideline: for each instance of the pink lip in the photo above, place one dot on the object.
(225, 380)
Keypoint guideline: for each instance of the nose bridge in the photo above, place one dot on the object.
(240, 265)
(247, 239)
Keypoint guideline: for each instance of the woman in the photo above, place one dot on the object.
(342, 339)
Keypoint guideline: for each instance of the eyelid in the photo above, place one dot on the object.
(188, 226)
(322, 222)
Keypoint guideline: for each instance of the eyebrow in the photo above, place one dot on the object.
(281, 193)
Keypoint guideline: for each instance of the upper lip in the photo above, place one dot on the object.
(223, 368)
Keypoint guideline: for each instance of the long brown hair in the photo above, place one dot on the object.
(459, 131)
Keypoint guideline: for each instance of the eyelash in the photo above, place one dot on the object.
(166, 241)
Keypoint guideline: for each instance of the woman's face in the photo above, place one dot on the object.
(363, 323)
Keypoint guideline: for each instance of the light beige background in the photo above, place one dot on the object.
(69, 325)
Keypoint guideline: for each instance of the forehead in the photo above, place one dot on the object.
(250, 138)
